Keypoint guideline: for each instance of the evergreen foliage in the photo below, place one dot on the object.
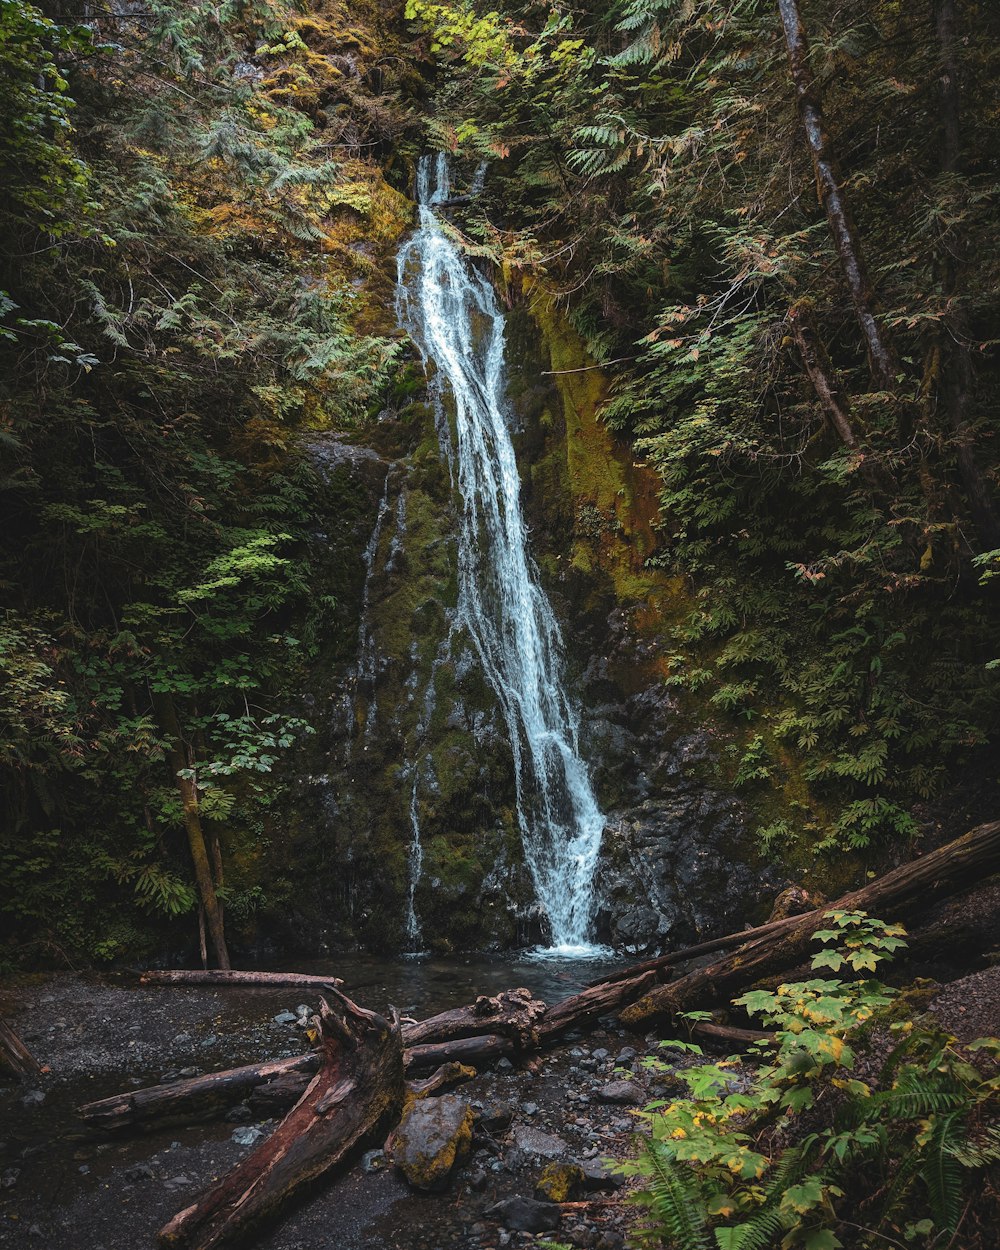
(171, 318)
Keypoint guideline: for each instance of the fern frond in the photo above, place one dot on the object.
(943, 1175)
(675, 1201)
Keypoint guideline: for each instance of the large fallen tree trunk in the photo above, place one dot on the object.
(358, 1090)
(201, 1097)
(686, 953)
(968, 859)
(589, 1004)
(227, 976)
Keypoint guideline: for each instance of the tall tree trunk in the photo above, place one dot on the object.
(166, 714)
(956, 364)
(881, 358)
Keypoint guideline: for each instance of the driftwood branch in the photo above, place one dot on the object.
(220, 976)
(357, 1091)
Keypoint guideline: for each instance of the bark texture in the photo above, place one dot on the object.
(357, 1092)
(842, 229)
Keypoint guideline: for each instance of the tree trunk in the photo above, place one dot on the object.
(881, 358)
(166, 713)
(969, 858)
(589, 1004)
(956, 363)
(357, 1092)
(229, 976)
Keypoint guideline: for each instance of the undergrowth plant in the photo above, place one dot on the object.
(853, 1129)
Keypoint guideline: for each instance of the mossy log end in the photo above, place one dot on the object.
(970, 858)
(357, 1092)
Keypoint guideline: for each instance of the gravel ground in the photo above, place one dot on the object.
(63, 1184)
(970, 1008)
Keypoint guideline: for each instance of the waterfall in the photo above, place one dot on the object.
(364, 672)
(416, 858)
(451, 313)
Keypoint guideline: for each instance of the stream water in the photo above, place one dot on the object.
(451, 313)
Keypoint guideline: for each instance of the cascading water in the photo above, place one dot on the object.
(451, 313)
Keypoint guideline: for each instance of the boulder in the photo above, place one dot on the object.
(433, 1137)
(525, 1215)
(560, 1182)
(533, 1143)
(624, 1093)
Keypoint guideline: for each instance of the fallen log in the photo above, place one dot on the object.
(357, 1091)
(686, 953)
(970, 858)
(596, 1000)
(514, 1014)
(199, 1098)
(475, 1051)
(730, 1035)
(15, 1055)
(220, 976)
(269, 1087)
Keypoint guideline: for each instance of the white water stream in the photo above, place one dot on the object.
(452, 315)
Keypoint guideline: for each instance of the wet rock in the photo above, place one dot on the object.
(496, 1117)
(560, 1182)
(527, 1144)
(433, 1136)
(525, 1215)
(597, 1175)
(624, 1093)
(249, 1135)
(141, 1172)
(285, 1017)
(671, 868)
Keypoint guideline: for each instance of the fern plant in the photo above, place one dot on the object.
(809, 1150)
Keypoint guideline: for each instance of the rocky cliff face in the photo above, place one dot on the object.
(411, 767)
